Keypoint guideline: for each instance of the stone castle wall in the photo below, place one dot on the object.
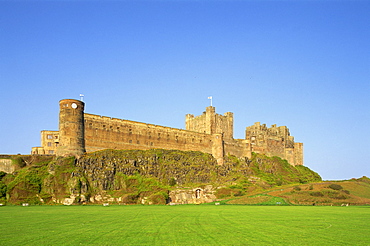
(274, 141)
(210, 133)
(103, 132)
(49, 141)
(210, 122)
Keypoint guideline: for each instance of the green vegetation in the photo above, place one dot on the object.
(359, 187)
(260, 199)
(3, 188)
(147, 177)
(138, 188)
(335, 187)
(184, 225)
(353, 192)
(18, 162)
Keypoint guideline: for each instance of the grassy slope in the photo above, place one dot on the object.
(132, 175)
(184, 225)
(354, 192)
(135, 174)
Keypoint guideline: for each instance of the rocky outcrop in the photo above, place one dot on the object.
(166, 165)
(146, 177)
(6, 165)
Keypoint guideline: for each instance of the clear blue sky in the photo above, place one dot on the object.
(303, 64)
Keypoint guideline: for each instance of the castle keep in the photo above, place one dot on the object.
(210, 132)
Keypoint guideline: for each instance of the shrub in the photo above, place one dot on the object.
(130, 198)
(346, 191)
(239, 193)
(317, 193)
(311, 187)
(227, 192)
(341, 197)
(3, 189)
(159, 198)
(335, 187)
(297, 188)
(172, 181)
(279, 182)
(2, 174)
(19, 162)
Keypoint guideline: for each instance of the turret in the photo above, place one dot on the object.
(210, 120)
(71, 128)
(229, 125)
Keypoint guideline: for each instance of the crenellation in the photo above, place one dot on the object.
(209, 132)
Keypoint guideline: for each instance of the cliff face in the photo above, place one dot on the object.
(145, 176)
(165, 165)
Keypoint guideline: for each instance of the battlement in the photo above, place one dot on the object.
(274, 141)
(109, 123)
(209, 132)
(211, 123)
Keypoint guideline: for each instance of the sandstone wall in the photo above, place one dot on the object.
(110, 133)
(6, 165)
(210, 133)
(274, 141)
(71, 128)
(211, 123)
(237, 147)
(193, 196)
(298, 154)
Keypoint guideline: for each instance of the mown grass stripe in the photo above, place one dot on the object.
(184, 225)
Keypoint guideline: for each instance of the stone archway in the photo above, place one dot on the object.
(198, 193)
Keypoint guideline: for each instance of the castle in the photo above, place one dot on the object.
(212, 133)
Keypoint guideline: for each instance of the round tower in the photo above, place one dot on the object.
(71, 128)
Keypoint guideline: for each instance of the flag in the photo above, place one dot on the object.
(209, 97)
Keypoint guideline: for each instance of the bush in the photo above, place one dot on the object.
(239, 193)
(159, 198)
(297, 188)
(3, 189)
(335, 187)
(19, 162)
(223, 192)
(130, 198)
(172, 181)
(317, 193)
(2, 174)
(341, 197)
(227, 192)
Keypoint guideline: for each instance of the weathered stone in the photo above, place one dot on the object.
(6, 165)
(209, 133)
(193, 196)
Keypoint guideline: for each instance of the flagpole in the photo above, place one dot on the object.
(210, 99)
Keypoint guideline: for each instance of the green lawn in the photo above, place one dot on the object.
(184, 225)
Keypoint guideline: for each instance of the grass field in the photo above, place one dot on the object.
(184, 225)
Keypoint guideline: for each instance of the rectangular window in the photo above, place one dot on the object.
(49, 144)
(51, 152)
(50, 136)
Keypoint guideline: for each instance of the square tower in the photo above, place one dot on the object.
(211, 123)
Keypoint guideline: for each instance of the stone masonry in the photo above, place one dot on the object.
(212, 133)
